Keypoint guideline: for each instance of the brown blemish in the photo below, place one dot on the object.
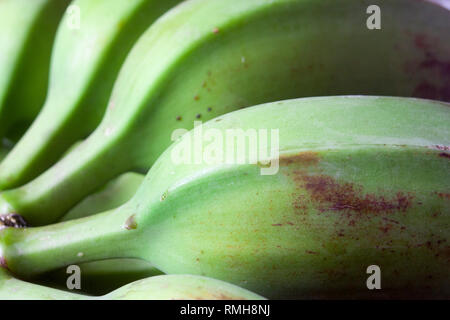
(197, 97)
(306, 158)
(131, 224)
(277, 225)
(329, 195)
(311, 252)
(215, 30)
(179, 118)
(198, 116)
(443, 195)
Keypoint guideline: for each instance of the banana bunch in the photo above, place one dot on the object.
(86, 59)
(338, 160)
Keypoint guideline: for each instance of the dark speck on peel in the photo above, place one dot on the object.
(131, 224)
(179, 118)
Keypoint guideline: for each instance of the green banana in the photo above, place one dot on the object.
(175, 287)
(86, 60)
(27, 31)
(103, 276)
(362, 181)
(15, 289)
(112, 195)
(206, 58)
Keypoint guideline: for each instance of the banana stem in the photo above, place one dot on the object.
(48, 197)
(31, 251)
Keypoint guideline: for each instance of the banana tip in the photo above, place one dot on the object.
(13, 220)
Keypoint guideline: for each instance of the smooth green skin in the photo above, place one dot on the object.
(173, 287)
(112, 195)
(101, 277)
(282, 236)
(84, 66)
(225, 55)
(27, 32)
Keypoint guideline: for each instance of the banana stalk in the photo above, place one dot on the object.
(361, 181)
(27, 32)
(91, 44)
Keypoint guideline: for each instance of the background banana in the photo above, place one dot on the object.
(85, 62)
(175, 287)
(206, 58)
(27, 31)
(344, 198)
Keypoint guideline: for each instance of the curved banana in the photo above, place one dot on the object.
(361, 181)
(112, 195)
(206, 58)
(91, 44)
(174, 287)
(100, 277)
(181, 287)
(27, 31)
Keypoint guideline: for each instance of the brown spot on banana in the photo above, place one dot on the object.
(131, 224)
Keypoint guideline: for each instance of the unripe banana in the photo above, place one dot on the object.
(91, 44)
(181, 287)
(361, 181)
(103, 276)
(112, 195)
(27, 31)
(206, 58)
(174, 287)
